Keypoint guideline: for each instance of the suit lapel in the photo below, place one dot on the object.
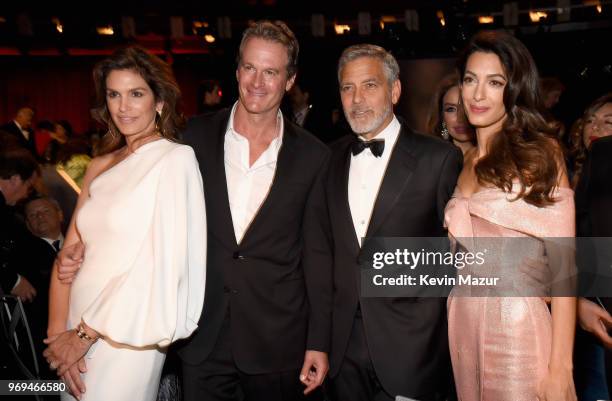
(399, 170)
(339, 181)
(225, 226)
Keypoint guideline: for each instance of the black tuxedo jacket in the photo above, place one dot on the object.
(407, 337)
(13, 129)
(277, 281)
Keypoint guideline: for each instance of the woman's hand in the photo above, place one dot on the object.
(64, 350)
(558, 385)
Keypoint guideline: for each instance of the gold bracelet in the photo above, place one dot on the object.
(80, 332)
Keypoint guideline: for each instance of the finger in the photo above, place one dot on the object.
(49, 340)
(72, 386)
(606, 339)
(602, 333)
(304, 372)
(310, 387)
(319, 376)
(62, 369)
(82, 365)
(65, 270)
(76, 253)
(604, 315)
(66, 280)
(76, 378)
(80, 250)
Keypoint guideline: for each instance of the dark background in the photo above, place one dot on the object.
(51, 72)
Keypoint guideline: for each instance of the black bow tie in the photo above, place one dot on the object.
(376, 146)
(56, 245)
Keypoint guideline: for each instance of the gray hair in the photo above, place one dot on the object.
(354, 52)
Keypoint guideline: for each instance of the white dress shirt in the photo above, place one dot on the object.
(365, 177)
(51, 241)
(248, 186)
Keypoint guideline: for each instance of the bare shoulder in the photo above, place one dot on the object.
(99, 163)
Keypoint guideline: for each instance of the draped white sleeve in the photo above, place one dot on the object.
(159, 298)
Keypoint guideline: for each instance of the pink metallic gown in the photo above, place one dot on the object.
(500, 346)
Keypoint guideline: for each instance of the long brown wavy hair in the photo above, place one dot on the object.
(526, 149)
(157, 74)
(577, 150)
(436, 115)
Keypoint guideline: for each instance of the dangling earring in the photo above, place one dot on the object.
(157, 120)
(111, 130)
(444, 132)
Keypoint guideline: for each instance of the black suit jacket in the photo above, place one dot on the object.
(277, 281)
(594, 192)
(594, 215)
(407, 337)
(13, 129)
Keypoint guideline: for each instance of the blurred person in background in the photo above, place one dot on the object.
(447, 118)
(209, 96)
(595, 123)
(21, 128)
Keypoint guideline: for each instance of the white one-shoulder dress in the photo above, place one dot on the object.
(141, 283)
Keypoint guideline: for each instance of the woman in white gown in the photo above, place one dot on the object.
(141, 220)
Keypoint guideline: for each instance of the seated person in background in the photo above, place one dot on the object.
(44, 220)
(18, 171)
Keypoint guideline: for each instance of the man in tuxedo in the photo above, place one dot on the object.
(18, 171)
(266, 322)
(21, 128)
(384, 181)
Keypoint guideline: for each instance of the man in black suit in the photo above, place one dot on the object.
(307, 113)
(44, 221)
(21, 128)
(594, 219)
(266, 322)
(18, 171)
(386, 181)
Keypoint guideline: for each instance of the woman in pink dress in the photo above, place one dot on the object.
(513, 184)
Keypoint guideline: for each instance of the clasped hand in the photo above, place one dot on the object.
(65, 353)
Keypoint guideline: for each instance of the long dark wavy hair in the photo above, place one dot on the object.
(526, 150)
(157, 74)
